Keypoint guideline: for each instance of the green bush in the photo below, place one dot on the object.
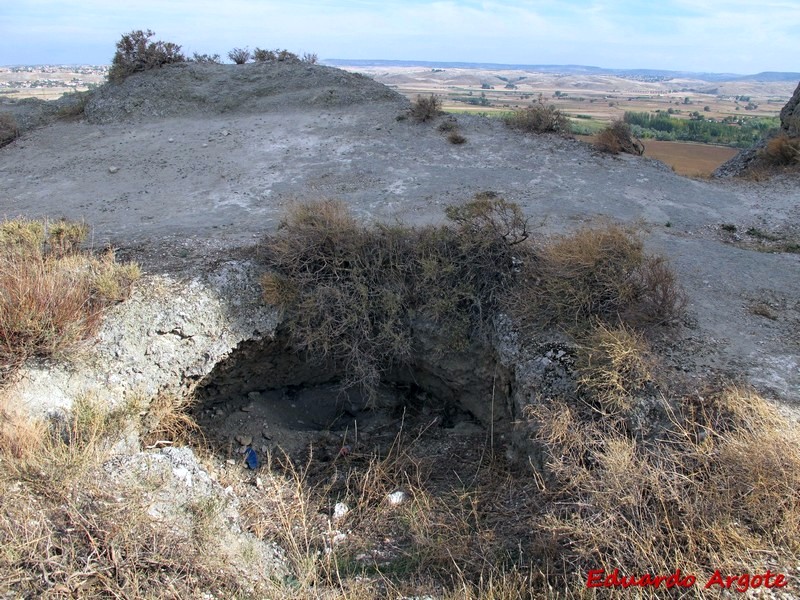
(135, 52)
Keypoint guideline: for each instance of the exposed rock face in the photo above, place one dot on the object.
(790, 114)
(166, 336)
(790, 124)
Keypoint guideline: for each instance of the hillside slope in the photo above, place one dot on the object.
(186, 164)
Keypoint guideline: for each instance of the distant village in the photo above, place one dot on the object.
(43, 80)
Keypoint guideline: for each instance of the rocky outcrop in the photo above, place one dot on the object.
(790, 114)
(168, 335)
(790, 124)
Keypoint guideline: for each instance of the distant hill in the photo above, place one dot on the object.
(769, 76)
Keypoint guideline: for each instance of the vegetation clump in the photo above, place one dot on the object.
(456, 138)
(136, 52)
(782, 150)
(52, 294)
(353, 293)
(239, 55)
(9, 130)
(642, 504)
(617, 138)
(426, 108)
(538, 118)
(206, 59)
(593, 274)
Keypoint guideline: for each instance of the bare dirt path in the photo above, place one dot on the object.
(175, 191)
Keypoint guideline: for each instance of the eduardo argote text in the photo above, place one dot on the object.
(598, 578)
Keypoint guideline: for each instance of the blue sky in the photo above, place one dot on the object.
(733, 36)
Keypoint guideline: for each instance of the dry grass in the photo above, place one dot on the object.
(596, 273)
(617, 138)
(167, 421)
(538, 118)
(69, 529)
(781, 151)
(719, 489)
(441, 540)
(613, 366)
(426, 108)
(51, 294)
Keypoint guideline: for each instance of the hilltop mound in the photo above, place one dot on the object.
(186, 89)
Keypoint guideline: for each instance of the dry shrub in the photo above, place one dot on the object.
(260, 55)
(240, 55)
(538, 118)
(206, 59)
(426, 108)
(136, 53)
(719, 489)
(352, 293)
(596, 273)
(613, 365)
(51, 294)
(617, 138)
(9, 130)
(782, 150)
(456, 138)
(72, 105)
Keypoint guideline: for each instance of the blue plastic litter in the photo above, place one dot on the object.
(251, 458)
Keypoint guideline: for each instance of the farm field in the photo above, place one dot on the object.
(691, 160)
(685, 158)
(590, 96)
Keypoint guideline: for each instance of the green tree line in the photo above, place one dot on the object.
(732, 131)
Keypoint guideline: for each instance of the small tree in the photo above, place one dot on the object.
(135, 52)
(239, 55)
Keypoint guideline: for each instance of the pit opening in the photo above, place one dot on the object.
(268, 397)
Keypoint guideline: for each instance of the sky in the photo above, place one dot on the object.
(722, 36)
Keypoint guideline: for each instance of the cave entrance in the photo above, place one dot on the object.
(267, 397)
